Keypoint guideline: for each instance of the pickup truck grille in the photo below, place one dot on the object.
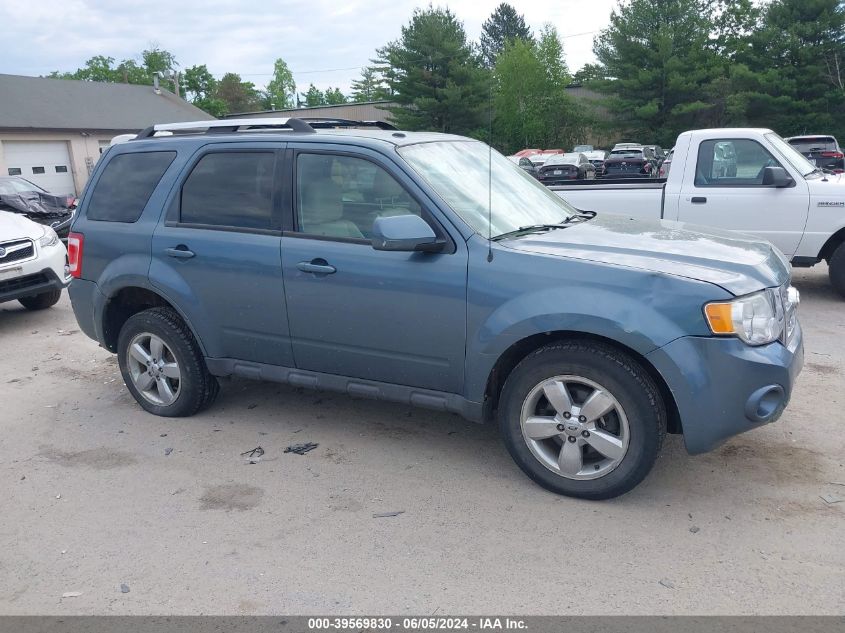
(16, 251)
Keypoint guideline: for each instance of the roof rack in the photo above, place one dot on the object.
(227, 125)
(331, 122)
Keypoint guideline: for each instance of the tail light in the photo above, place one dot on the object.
(75, 242)
(833, 155)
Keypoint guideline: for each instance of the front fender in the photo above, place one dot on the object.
(639, 310)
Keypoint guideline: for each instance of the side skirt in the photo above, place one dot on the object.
(804, 262)
(355, 387)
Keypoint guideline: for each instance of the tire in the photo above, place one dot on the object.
(194, 389)
(41, 301)
(636, 424)
(836, 269)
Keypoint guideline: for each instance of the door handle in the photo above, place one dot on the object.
(699, 200)
(318, 266)
(180, 252)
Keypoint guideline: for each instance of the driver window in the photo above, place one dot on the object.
(341, 196)
(732, 163)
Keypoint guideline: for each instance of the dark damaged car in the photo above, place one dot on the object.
(21, 196)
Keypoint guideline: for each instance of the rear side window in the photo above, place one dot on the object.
(126, 185)
(232, 189)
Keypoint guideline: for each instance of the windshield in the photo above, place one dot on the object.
(16, 185)
(458, 172)
(792, 155)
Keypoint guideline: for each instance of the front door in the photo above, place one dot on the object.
(218, 255)
(727, 192)
(397, 317)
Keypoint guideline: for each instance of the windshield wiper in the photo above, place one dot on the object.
(581, 216)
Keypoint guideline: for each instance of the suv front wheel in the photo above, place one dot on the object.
(582, 419)
(162, 365)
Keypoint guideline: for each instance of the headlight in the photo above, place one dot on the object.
(753, 318)
(49, 238)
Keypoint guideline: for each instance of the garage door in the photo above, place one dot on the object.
(46, 163)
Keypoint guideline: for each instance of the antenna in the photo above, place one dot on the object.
(490, 178)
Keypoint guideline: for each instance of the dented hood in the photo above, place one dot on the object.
(738, 263)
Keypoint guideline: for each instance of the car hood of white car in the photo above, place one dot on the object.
(14, 226)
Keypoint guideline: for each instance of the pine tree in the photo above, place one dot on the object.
(435, 76)
(503, 25)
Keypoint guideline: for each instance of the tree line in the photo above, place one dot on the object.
(663, 66)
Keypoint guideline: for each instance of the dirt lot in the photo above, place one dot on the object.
(91, 500)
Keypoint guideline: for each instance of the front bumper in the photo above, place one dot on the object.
(30, 285)
(723, 387)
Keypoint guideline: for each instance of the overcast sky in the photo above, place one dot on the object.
(323, 41)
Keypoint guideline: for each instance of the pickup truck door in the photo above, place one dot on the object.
(388, 316)
(725, 190)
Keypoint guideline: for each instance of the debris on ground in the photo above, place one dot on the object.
(253, 456)
(838, 483)
(177, 491)
(831, 498)
(58, 496)
(301, 449)
(124, 588)
(163, 435)
(382, 515)
(695, 529)
(667, 583)
(71, 594)
(23, 477)
(167, 451)
(252, 406)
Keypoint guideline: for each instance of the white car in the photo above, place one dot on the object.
(33, 262)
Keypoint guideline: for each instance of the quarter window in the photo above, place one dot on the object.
(126, 184)
(232, 189)
(732, 163)
(341, 196)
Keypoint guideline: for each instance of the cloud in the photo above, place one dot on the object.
(323, 41)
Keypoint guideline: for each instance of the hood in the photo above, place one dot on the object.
(14, 226)
(738, 263)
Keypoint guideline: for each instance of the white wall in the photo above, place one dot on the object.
(84, 150)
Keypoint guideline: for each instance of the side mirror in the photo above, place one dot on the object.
(404, 233)
(776, 177)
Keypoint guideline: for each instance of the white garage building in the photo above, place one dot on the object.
(52, 131)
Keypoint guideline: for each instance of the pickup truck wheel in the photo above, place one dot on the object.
(42, 301)
(582, 419)
(836, 269)
(162, 365)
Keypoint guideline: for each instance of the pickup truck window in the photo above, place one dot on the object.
(461, 172)
(792, 155)
(341, 196)
(732, 163)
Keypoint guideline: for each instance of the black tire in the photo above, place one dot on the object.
(42, 301)
(836, 269)
(624, 378)
(198, 388)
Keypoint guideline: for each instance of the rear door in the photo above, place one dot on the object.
(217, 251)
(725, 190)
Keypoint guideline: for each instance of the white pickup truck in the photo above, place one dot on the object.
(747, 180)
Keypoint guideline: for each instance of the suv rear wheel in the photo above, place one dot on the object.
(582, 419)
(41, 301)
(162, 365)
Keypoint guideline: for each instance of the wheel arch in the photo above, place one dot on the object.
(128, 300)
(831, 244)
(514, 354)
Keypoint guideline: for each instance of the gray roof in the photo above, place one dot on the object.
(37, 103)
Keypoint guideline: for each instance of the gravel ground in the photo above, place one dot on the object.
(93, 498)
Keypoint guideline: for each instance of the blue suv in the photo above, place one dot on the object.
(427, 269)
